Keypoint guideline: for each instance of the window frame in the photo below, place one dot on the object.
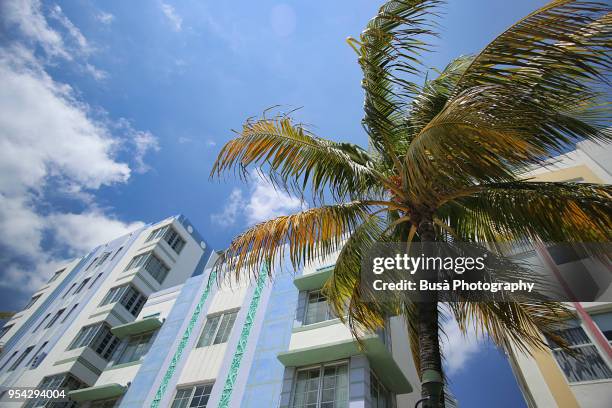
(32, 301)
(55, 317)
(159, 275)
(5, 329)
(227, 331)
(124, 294)
(381, 389)
(590, 344)
(169, 234)
(97, 337)
(56, 275)
(321, 367)
(20, 359)
(147, 345)
(82, 285)
(329, 315)
(192, 389)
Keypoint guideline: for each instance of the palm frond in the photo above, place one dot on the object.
(390, 48)
(307, 235)
(556, 47)
(297, 158)
(432, 98)
(518, 323)
(343, 289)
(552, 212)
(531, 93)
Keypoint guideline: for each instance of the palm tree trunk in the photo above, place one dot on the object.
(427, 328)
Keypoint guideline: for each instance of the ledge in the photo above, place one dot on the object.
(380, 358)
(99, 392)
(317, 325)
(313, 280)
(136, 327)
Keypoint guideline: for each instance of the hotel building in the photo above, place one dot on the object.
(140, 322)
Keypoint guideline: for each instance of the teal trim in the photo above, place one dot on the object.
(136, 327)
(183, 343)
(99, 392)
(315, 280)
(228, 387)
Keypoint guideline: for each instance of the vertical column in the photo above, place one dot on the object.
(285, 396)
(359, 382)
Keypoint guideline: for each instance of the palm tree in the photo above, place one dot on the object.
(445, 158)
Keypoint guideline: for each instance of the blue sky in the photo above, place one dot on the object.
(111, 114)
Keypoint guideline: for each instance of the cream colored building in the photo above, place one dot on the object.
(551, 379)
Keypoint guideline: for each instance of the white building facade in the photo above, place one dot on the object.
(140, 322)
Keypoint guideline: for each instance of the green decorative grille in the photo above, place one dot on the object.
(242, 342)
(184, 340)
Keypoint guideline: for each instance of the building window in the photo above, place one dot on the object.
(109, 403)
(116, 253)
(587, 364)
(21, 358)
(323, 386)
(565, 253)
(69, 290)
(317, 308)
(81, 286)
(193, 397)
(379, 396)
(152, 264)
(136, 348)
(55, 317)
(32, 301)
(5, 330)
(95, 280)
(56, 275)
(54, 382)
(69, 313)
(98, 337)
(171, 237)
(92, 264)
(217, 329)
(102, 259)
(128, 296)
(38, 357)
(9, 359)
(41, 323)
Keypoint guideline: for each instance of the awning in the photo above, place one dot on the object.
(380, 358)
(136, 327)
(99, 392)
(313, 280)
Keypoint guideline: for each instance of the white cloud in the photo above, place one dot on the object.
(28, 17)
(143, 143)
(105, 18)
(74, 33)
(45, 131)
(232, 210)
(87, 230)
(264, 202)
(173, 18)
(52, 140)
(97, 74)
(458, 348)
